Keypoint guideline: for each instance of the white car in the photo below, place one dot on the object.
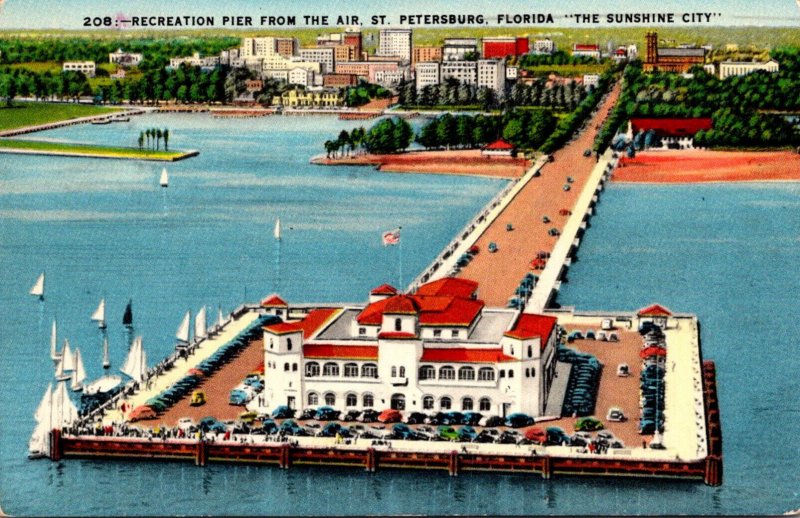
(615, 414)
(184, 423)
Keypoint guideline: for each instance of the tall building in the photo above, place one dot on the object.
(325, 56)
(658, 59)
(465, 71)
(395, 42)
(286, 47)
(427, 73)
(258, 47)
(491, 73)
(455, 49)
(352, 38)
(426, 54)
(500, 47)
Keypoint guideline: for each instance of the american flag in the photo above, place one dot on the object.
(391, 237)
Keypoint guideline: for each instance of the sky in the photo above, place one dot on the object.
(69, 14)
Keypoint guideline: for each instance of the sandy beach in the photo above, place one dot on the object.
(463, 162)
(703, 166)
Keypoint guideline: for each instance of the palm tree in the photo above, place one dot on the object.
(166, 139)
(328, 148)
(141, 140)
(147, 132)
(158, 137)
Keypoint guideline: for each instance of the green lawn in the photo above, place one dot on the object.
(89, 150)
(39, 66)
(568, 70)
(30, 114)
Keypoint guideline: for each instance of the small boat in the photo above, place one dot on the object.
(101, 122)
(99, 314)
(79, 374)
(106, 359)
(39, 443)
(54, 354)
(183, 330)
(127, 317)
(38, 288)
(277, 231)
(164, 180)
(200, 328)
(135, 364)
(121, 119)
(102, 385)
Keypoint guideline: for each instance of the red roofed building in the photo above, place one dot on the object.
(501, 47)
(655, 313)
(589, 50)
(675, 133)
(437, 349)
(498, 148)
(275, 305)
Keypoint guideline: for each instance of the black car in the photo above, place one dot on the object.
(351, 415)
(508, 437)
(415, 418)
(472, 418)
(307, 414)
(369, 416)
(487, 436)
(436, 419)
(493, 421)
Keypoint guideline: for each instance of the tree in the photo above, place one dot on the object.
(8, 89)
(166, 139)
(514, 132)
(141, 140)
(159, 134)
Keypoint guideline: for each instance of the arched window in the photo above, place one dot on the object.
(466, 403)
(313, 399)
(445, 403)
(466, 373)
(271, 343)
(351, 400)
(402, 372)
(350, 370)
(427, 372)
(394, 371)
(530, 351)
(527, 373)
(398, 324)
(447, 373)
(330, 369)
(485, 404)
(330, 399)
(294, 367)
(486, 374)
(286, 366)
(398, 402)
(369, 401)
(502, 373)
(427, 403)
(288, 344)
(510, 373)
(533, 372)
(369, 370)
(312, 369)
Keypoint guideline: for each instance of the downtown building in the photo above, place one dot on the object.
(395, 43)
(438, 349)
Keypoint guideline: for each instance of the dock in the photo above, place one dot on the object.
(72, 122)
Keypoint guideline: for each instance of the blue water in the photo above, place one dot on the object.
(105, 229)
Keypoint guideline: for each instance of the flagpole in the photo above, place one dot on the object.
(400, 251)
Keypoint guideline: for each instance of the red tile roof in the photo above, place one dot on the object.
(449, 286)
(464, 355)
(344, 352)
(273, 301)
(314, 321)
(397, 335)
(586, 46)
(672, 127)
(529, 325)
(656, 310)
(498, 145)
(283, 328)
(402, 304)
(384, 289)
(443, 311)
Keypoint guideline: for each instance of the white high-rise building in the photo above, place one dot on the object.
(322, 55)
(464, 71)
(396, 43)
(491, 73)
(258, 47)
(427, 73)
(455, 49)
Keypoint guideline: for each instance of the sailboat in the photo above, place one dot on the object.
(103, 384)
(183, 330)
(164, 180)
(54, 354)
(277, 231)
(135, 364)
(99, 314)
(38, 288)
(39, 444)
(79, 374)
(127, 317)
(64, 410)
(66, 363)
(200, 329)
(106, 360)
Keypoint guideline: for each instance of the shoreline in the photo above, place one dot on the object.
(100, 154)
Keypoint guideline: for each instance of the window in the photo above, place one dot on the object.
(437, 333)
(427, 372)
(369, 370)
(427, 403)
(533, 372)
(312, 369)
(394, 372)
(445, 403)
(294, 367)
(485, 404)
(511, 350)
(486, 374)
(454, 333)
(271, 343)
(502, 373)
(362, 331)
(351, 400)
(466, 403)
(398, 324)
(510, 373)
(350, 370)
(313, 399)
(398, 402)
(369, 401)
(527, 373)
(330, 399)
(447, 373)
(330, 369)
(466, 373)
(402, 372)
(285, 366)
(530, 351)
(288, 344)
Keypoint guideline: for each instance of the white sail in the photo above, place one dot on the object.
(183, 330)
(60, 375)
(54, 354)
(43, 410)
(136, 363)
(277, 228)
(220, 321)
(129, 366)
(164, 180)
(67, 358)
(39, 444)
(106, 359)
(38, 288)
(99, 314)
(103, 384)
(64, 410)
(79, 374)
(200, 329)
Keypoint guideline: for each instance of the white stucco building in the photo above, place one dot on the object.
(427, 73)
(125, 59)
(395, 43)
(741, 68)
(87, 67)
(491, 73)
(438, 349)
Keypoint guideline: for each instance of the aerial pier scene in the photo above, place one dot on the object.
(510, 270)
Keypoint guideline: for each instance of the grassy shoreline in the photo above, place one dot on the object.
(24, 114)
(88, 150)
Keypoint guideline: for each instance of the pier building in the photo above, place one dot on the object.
(440, 348)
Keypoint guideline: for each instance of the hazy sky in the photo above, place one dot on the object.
(69, 14)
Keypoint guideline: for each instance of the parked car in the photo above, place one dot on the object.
(351, 415)
(509, 437)
(615, 414)
(198, 398)
(536, 435)
(404, 432)
(491, 421)
(390, 416)
(556, 436)
(467, 434)
(248, 417)
(331, 429)
(451, 418)
(588, 424)
(471, 418)
(486, 436)
(415, 418)
(307, 413)
(435, 419)
(283, 412)
(326, 413)
(426, 433)
(186, 424)
(519, 420)
(580, 439)
(368, 416)
(447, 433)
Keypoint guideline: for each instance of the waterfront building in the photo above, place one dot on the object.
(437, 349)
(491, 73)
(395, 43)
(741, 68)
(88, 68)
(590, 50)
(195, 60)
(227, 57)
(498, 148)
(352, 38)
(426, 54)
(545, 46)
(124, 59)
(455, 49)
(339, 80)
(374, 71)
(503, 46)
(316, 98)
(465, 71)
(672, 132)
(427, 74)
(325, 56)
(680, 60)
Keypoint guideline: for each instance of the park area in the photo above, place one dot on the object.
(20, 115)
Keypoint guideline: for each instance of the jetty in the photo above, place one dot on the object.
(110, 117)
